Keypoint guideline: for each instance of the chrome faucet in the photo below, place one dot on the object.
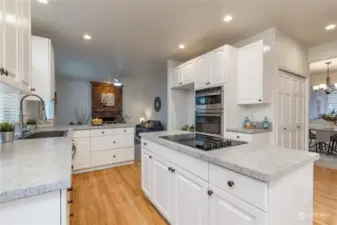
(21, 111)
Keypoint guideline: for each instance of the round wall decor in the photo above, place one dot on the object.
(157, 104)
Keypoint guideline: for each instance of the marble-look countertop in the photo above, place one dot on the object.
(249, 131)
(261, 162)
(35, 166)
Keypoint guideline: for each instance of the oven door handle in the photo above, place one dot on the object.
(208, 94)
(208, 114)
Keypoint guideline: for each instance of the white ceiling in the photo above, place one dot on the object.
(131, 36)
(320, 66)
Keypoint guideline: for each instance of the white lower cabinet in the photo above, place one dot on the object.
(99, 148)
(82, 158)
(162, 193)
(147, 171)
(190, 199)
(224, 208)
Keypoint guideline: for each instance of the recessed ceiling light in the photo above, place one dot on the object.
(330, 27)
(227, 18)
(181, 46)
(87, 37)
(43, 1)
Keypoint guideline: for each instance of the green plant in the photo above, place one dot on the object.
(31, 122)
(330, 117)
(6, 127)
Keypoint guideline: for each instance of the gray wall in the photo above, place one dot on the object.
(138, 97)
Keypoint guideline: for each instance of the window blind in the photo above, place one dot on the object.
(9, 106)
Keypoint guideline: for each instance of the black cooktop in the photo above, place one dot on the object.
(203, 142)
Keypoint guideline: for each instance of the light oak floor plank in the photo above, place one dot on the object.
(114, 197)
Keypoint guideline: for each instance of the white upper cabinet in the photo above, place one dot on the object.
(25, 40)
(15, 32)
(43, 80)
(212, 69)
(202, 70)
(10, 36)
(217, 59)
(188, 72)
(253, 86)
(176, 78)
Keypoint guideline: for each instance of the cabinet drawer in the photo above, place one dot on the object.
(112, 142)
(243, 187)
(129, 130)
(81, 133)
(101, 132)
(239, 136)
(101, 158)
(186, 162)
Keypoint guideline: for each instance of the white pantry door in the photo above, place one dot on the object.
(291, 108)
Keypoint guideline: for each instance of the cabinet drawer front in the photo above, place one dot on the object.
(129, 130)
(189, 163)
(101, 158)
(112, 142)
(239, 136)
(243, 187)
(81, 133)
(101, 132)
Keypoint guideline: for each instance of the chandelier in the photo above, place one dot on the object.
(327, 87)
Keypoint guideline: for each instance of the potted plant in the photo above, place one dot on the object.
(330, 118)
(31, 124)
(6, 132)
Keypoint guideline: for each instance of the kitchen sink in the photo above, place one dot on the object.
(47, 134)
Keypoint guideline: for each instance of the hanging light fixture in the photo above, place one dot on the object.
(327, 87)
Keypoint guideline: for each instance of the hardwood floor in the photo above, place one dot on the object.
(114, 197)
(325, 196)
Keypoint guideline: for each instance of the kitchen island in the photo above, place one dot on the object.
(35, 174)
(245, 184)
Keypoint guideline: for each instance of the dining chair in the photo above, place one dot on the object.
(312, 138)
(333, 139)
(323, 138)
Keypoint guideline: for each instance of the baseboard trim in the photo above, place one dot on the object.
(102, 167)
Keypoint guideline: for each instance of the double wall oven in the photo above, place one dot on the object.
(209, 111)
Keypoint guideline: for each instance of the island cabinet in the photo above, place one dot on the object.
(100, 148)
(50, 208)
(190, 191)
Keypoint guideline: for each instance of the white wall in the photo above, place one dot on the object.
(139, 93)
(320, 78)
(71, 95)
(322, 52)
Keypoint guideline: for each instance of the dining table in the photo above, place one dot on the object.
(324, 137)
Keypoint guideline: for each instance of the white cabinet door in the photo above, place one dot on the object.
(176, 78)
(147, 172)
(190, 199)
(25, 40)
(1, 34)
(82, 158)
(10, 32)
(202, 71)
(250, 74)
(224, 208)
(162, 187)
(218, 66)
(188, 72)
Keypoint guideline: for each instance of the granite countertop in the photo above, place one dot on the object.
(261, 162)
(249, 131)
(35, 166)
